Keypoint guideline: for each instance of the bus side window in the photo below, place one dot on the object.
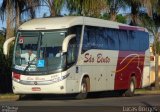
(72, 52)
(85, 40)
(124, 40)
(89, 38)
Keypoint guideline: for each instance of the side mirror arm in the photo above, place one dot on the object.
(66, 41)
(6, 46)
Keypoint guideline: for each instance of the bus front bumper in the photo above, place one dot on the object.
(55, 88)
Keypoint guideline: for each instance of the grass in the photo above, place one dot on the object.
(8, 96)
(147, 91)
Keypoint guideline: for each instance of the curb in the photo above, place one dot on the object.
(150, 92)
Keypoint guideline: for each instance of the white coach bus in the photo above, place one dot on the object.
(66, 55)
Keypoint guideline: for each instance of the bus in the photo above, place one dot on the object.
(78, 55)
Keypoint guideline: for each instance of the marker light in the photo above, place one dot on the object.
(16, 76)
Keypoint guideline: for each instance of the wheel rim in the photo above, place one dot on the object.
(84, 88)
(132, 87)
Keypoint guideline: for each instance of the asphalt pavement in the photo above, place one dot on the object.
(65, 103)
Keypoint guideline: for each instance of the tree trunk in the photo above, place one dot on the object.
(9, 30)
(17, 18)
(113, 16)
(156, 71)
(51, 8)
(53, 12)
(134, 12)
(134, 20)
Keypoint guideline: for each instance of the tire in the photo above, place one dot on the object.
(84, 89)
(132, 87)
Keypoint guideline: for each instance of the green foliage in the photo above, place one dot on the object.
(121, 19)
(2, 39)
(55, 6)
(105, 16)
(90, 8)
(152, 22)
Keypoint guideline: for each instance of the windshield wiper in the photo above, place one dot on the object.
(29, 64)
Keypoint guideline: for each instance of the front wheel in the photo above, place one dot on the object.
(84, 89)
(132, 87)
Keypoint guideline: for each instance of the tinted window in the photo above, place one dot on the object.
(72, 52)
(100, 38)
(114, 39)
(134, 41)
(89, 40)
(139, 41)
(76, 30)
(143, 40)
(123, 40)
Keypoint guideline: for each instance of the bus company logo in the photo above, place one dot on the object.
(35, 83)
(99, 59)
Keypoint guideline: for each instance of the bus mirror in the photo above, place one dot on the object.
(6, 46)
(66, 41)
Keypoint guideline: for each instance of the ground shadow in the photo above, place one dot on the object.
(93, 95)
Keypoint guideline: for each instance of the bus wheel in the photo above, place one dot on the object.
(84, 89)
(132, 87)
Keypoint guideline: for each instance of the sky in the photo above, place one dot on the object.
(1, 25)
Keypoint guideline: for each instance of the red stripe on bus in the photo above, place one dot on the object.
(129, 63)
(131, 28)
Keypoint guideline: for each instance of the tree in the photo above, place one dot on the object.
(6, 9)
(54, 6)
(121, 19)
(135, 8)
(12, 11)
(86, 7)
(113, 7)
(153, 24)
(5, 68)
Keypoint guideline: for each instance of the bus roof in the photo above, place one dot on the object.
(68, 21)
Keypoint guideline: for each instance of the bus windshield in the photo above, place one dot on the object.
(39, 51)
